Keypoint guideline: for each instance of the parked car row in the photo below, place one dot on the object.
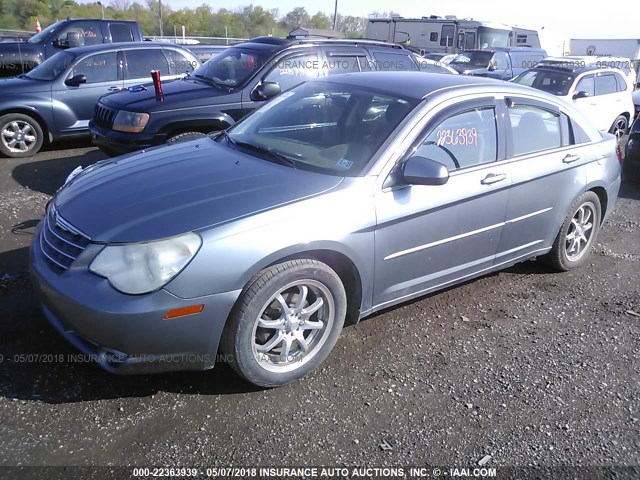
(56, 100)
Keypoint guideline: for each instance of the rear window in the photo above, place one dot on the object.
(120, 32)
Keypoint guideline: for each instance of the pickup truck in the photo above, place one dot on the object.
(20, 57)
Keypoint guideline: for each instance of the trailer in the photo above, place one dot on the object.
(625, 48)
(449, 34)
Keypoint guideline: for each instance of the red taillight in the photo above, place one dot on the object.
(619, 154)
(155, 76)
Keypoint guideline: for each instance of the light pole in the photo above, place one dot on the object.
(335, 16)
(160, 9)
(102, 8)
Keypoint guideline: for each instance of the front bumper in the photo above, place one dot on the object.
(127, 334)
(113, 142)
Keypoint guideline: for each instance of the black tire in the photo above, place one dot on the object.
(564, 254)
(20, 135)
(259, 353)
(183, 137)
(619, 127)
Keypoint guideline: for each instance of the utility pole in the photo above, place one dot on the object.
(335, 16)
(160, 10)
(102, 8)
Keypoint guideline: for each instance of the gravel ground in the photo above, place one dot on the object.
(526, 366)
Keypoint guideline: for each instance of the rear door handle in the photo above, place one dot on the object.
(569, 158)
(493, 178)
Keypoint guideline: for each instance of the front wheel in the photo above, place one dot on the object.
(285, 323)
(577, 234)
(20, 135)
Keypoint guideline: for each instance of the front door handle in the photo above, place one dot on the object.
(114, 89)
(493, 178)
(569, 158)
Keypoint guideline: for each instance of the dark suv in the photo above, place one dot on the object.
(234, 83)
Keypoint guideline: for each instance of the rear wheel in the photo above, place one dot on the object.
(286, 322)
(619, 127)
(20, 135)
(577, 234)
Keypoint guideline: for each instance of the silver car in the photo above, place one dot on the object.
(337, 199)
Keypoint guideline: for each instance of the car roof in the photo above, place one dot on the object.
(280, 43)
(420, 84)
(120, 46)
(567, 67)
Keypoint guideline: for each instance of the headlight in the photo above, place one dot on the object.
(130, 121)
(144, 267)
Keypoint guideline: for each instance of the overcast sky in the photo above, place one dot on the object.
(565, 19)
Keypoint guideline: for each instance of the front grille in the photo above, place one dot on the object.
(60, 242)
(103, 116)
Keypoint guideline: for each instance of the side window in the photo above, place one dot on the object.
(102, 67)
(446, 36)
(393, 62)
(587, 84)
(76, 35)
(178, 63)
(141, 62)
(622, 84)
(501, 61)
(120, 32)
(463, 140)
(346, 64)
(606, 84)
(433, 37)
(470, 41)
(535, 129)
(292, 71)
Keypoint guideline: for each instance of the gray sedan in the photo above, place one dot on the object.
(333, 201)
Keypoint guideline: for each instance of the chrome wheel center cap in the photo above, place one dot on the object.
(292, 323)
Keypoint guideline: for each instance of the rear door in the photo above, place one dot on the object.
(589, 104)
(547, 172)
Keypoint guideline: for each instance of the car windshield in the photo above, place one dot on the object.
(325, 127)
(552, 81)
(52, 67)
(232, 66)
(473, 57)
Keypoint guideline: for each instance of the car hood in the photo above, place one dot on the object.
(177, 94)
(170, 190)
(16, 86)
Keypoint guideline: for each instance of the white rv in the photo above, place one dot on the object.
(449, 34)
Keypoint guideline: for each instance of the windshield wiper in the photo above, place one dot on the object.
(225, 135)
(212, 81)
(278, 157)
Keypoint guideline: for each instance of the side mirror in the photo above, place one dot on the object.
(424, 171)
(73, 39)
(580, 94)
(76, 80)
(265, 91)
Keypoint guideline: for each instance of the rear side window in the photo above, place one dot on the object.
(622, 84)
(120, 32)
(535, 129)
(463, 140)
(140, 62)
(386, 61)
(606, 84)
(179, 63)
(346, 64)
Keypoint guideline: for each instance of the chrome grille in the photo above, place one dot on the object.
(103, 116)
(60, 242)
